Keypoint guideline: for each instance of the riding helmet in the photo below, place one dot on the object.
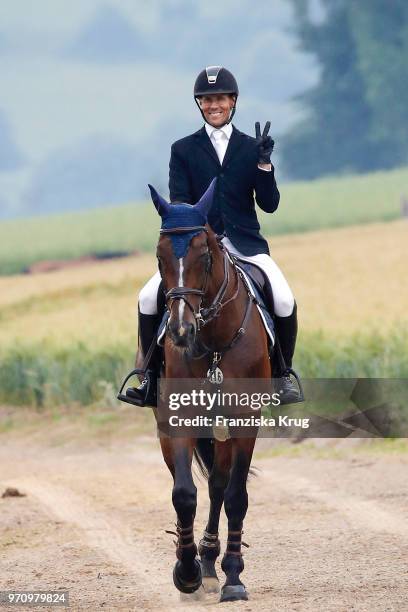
(215, 80)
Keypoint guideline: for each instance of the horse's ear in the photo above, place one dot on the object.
(160, 203)
(204, 203)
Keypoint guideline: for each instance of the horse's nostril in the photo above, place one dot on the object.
(190, 329)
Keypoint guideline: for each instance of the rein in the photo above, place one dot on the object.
(205, 315)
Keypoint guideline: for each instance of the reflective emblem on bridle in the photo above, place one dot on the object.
(214, 374)
(215, 377)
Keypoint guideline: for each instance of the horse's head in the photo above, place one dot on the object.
(184, 261)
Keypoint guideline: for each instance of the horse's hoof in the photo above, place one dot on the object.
(233, 592)
(211, 584)
(187, 586)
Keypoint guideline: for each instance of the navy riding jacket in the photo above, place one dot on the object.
(193, 165)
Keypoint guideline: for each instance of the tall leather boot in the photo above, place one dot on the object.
(286, 329)
(146, 393)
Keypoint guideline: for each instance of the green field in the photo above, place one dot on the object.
(45, 375)
(70, 336)
(326, 203)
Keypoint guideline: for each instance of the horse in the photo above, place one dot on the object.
(212, 322)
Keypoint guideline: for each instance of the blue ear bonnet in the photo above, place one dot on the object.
(182, 215)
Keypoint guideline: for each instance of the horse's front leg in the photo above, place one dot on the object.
(178, 456)
(236, 505)
(209, 547)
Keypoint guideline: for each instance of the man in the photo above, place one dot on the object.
(243, 168)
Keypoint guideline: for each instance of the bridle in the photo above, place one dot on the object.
(203, 315)
(180, 293)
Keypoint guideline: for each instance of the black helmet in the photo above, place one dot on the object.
(215, 80)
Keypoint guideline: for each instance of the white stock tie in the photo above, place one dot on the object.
(220, 143)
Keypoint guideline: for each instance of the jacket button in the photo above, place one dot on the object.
(222, 175)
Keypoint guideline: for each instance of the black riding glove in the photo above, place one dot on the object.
(264, 142)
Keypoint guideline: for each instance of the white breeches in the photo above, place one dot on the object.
(283, 300)
(148, 295)
(282, 295)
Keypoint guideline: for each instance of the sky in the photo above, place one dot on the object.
(96, 87)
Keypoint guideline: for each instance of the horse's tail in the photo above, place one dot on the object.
(204, 455)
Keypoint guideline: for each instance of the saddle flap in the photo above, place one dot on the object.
(254, 272)
(262, 293)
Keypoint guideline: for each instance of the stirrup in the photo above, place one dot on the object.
(300, 395)
(139, 397)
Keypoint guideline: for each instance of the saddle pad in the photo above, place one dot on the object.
(162, 328)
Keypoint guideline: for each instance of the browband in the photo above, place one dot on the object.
(184, 230)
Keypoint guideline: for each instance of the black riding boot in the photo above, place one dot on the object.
(286, 329)
(146, 393)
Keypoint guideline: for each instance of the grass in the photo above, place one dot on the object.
(305, 206)
(338, 202)
(70, 336)
(45, 375)
(344, 280)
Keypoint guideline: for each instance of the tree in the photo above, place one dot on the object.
(380, 30)
(361, 48)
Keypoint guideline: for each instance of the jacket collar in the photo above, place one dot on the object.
(227, 129)
(236, 140)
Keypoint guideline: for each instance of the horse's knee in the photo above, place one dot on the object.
(185, 500)
(216, 495)
(216, 485)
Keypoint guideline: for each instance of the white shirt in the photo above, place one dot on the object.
(220, 138)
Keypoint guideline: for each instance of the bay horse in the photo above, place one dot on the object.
(209, 306)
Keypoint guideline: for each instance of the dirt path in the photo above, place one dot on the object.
(328, 531)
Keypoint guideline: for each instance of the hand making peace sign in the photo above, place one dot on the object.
(264, 142)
